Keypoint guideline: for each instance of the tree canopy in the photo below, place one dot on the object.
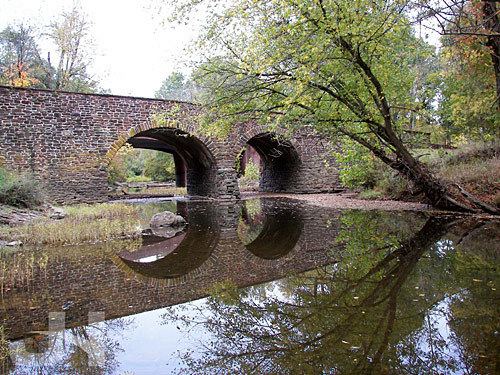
(176, 87)
(22, 63)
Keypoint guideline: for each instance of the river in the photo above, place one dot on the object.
(261, 286)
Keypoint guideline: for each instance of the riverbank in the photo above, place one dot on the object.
(69, 225)
(345, 201)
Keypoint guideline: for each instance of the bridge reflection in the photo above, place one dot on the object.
(283, 237)
(269, 233)
(272, 231)
(177, 256)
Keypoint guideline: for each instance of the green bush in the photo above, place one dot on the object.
(252, 171)
(117, 172)
(19, 191)
(138, 179)
(160, 167)
(356, 165)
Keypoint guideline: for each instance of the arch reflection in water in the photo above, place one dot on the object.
(182, 254)
(270, 228)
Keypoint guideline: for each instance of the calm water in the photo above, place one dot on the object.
(266, 286)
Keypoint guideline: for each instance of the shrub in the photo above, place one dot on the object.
(356, 165)
(117, 171)
(138, 179)
(252, 171)
(19, 191)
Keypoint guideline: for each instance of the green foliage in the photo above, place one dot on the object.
(252, 171)
(117, 170)
(295, 48)
(356, 165)
(160, 167)
(19, 190)
(3, 176)
(176, 87)
(468, 104)
(135, 165)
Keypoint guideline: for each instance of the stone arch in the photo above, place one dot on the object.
(180, 258)
(279, 155)
(279, 231)
(196, 165)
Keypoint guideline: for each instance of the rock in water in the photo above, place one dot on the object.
(167, 219)
(167, 224)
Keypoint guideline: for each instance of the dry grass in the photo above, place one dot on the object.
(4, 352)
(83, 224)
(157, 191)
(480, 177)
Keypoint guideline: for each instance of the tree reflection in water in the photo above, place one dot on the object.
(82, 350)
(424, 304)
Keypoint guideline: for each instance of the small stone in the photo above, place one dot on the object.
(167, 219)
(14, 243)
(57, 213)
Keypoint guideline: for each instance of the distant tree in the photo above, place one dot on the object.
(159, 166)
(73, 43)
(467, 21)
(21, 64)
(176, 87)
(20, 61)
(467, 104)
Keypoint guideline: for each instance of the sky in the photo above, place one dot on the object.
(134, 50)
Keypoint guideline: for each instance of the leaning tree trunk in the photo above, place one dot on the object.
(439, 193)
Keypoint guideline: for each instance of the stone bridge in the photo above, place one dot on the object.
(67, 140)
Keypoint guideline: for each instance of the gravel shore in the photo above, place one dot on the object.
(345, 200)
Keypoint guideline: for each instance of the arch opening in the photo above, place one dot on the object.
(192, 164)
(270, 229)
(182, 254)
(275, 159)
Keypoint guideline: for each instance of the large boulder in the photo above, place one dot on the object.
(167, 224)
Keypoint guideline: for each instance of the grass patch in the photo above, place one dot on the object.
(475, 167)
(19, 190)
(158, 191)
(83, 224)
(480, 177)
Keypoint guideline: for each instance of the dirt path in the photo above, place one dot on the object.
(345, 200)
